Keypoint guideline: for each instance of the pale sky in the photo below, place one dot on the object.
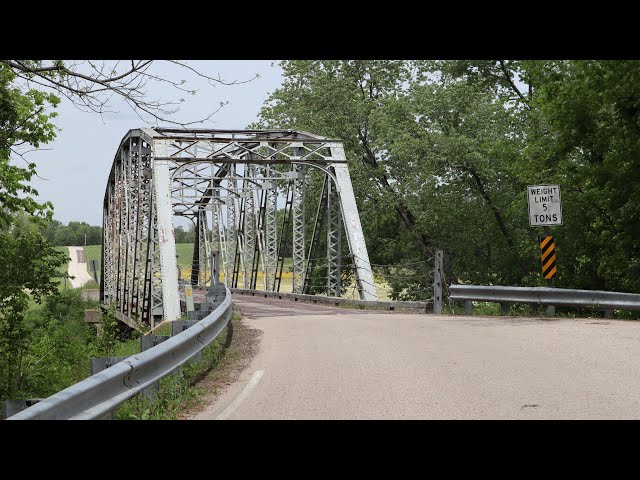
(78, 164)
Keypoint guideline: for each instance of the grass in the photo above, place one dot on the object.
(184, 252)
(492, 309)
(163, 330)
(63, 269)
(93, 252)
(128, 347)
(177, 391)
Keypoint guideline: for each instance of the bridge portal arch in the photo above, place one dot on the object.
(244, 190)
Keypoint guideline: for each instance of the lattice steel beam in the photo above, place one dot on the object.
(298, 229)
(249, 231)
(334, 241)
(271, 234)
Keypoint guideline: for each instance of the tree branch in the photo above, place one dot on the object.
(17, 127)
(496, 213)
(94, 90)
(508, 77)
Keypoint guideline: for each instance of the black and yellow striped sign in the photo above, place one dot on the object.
(548, 251)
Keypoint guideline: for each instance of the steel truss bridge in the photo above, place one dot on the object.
(246, 192)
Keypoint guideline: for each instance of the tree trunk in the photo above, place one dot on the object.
(407, 217)
(496, 213)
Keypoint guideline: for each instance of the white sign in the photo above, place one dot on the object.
(544, 205)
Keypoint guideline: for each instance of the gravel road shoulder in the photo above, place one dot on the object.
(244, 346)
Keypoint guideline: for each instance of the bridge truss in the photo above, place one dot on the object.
(244, 190)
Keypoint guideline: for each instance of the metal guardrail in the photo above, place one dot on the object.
(420, 307)
(101, 393)
(545, 296)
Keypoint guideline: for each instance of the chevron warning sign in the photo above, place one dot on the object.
(548, 252)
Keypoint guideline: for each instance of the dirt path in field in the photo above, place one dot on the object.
(78, 267)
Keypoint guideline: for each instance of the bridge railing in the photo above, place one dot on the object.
(101, 393)
(407, 306)
(552, 297)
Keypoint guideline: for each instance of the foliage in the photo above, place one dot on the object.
(441, 152)
(176, 391)
(28, 263)
(54, 348)
(108, 335)
(185, 236)
(28, 269)
(75, 233)
(24, 121)
(592, 109)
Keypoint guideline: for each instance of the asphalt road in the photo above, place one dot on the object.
(317, 362)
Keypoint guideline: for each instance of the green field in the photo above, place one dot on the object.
(65, 250)
(93, 252)
(184, 252)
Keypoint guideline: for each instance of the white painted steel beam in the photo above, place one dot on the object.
(353, 227)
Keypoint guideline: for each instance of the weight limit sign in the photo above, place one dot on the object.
(548, 255)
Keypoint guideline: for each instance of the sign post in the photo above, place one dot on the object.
(94, 270)
(545, 210)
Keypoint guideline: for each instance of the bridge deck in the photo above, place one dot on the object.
(318, 362)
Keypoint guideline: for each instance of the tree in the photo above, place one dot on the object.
(28, 267)
(424, 149)
(185, 236)
(449, 147)
(23, 122)
(337, 99)
(579, 122)
(90, 85)
(591, 110)
(29, 93)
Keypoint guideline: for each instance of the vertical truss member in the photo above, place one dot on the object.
(249, 226)
(260, 202)
(284, 238)
(297, 209)
(334, 241)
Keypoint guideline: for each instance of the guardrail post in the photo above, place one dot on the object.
(11, 407)
(504, 308)
(179, 326)
(468, 307)
(437, 283)
(147, 342)
(607, 313)
(102, 363)
(550, 311)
